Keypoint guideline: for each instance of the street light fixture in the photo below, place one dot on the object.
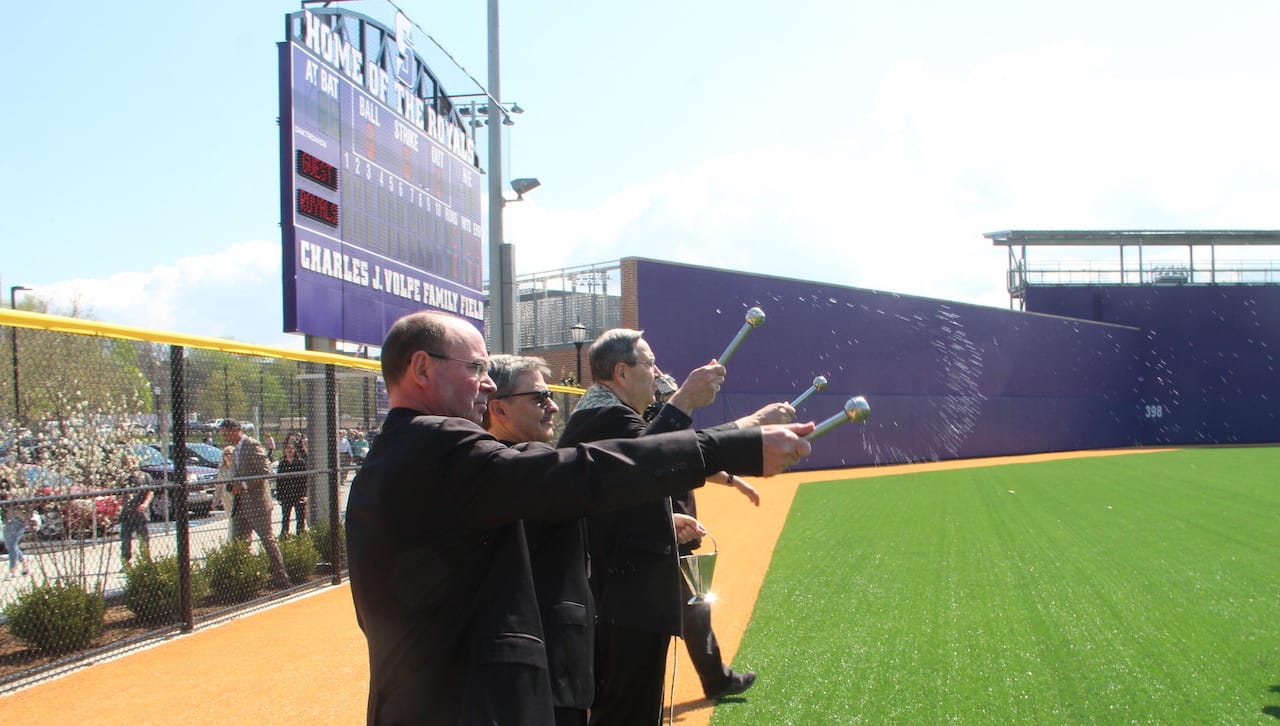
(522, 185)
(13, 339)
(578, 333)
(474, 112)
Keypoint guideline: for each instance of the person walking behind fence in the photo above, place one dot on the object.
(251, 512)
(227, 472)
(15, 525)
(291, 491)
(344, 449)
(134, 505)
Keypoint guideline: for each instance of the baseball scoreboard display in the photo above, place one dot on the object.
(380, 182)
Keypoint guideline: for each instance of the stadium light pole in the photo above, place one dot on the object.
(13, 340)
(501, 255)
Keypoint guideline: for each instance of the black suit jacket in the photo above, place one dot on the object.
(440, 570)
(558, 556)
(635, 576)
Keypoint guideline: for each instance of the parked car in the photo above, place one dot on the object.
(245, 426)
(199, 454)
(200, 489)
(87, 516)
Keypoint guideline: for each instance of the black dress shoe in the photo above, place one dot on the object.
(738, 682)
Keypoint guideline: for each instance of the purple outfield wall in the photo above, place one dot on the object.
(1208, 353)
(945, 380)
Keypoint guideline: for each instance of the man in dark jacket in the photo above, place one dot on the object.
(440, 571)
(635, 576)
(718, 680)
(522, 409)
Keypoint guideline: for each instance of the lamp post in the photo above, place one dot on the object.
(161, 431)
(366, 383)
(261, 364)
(501, 257)
(578, 333)
(13, 340)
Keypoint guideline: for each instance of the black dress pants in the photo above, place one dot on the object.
(701, 643)
(630, 667)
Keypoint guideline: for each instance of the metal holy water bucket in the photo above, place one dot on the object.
(698, 569)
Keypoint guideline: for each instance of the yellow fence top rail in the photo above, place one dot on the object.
(77, 326)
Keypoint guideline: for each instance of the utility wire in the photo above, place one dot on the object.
(447, 54)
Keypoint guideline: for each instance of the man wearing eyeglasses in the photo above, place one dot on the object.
(440, 572)
(635, 577)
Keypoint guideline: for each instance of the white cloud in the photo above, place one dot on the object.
(1049, 138)
(843, 216)
(231, 293)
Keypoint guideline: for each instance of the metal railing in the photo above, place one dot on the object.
(1077, 272)
(549, 303)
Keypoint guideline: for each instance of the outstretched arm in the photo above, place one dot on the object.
(737, 482)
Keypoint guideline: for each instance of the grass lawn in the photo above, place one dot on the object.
(1126, 589)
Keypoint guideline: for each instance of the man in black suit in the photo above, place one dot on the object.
(440, 571)
(718, 680)
(522, 409)
(635, 576)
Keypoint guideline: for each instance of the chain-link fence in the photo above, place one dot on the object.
(150, 481)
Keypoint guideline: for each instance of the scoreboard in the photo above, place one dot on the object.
(380, 182)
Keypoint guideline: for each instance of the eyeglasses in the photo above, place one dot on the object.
(539, 397)
(479, 368)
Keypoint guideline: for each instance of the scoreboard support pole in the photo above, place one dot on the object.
(320, 433)
(502, 273)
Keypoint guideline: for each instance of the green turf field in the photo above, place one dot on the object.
(1127, 589)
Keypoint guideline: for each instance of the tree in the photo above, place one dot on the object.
(99, 371)
(76, 464)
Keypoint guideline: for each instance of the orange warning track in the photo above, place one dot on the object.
(304, 661)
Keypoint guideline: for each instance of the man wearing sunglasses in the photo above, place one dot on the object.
(522, 410)
(440, 573)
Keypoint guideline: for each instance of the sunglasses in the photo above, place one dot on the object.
(539, 397)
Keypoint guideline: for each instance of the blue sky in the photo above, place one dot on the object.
(861, 144)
